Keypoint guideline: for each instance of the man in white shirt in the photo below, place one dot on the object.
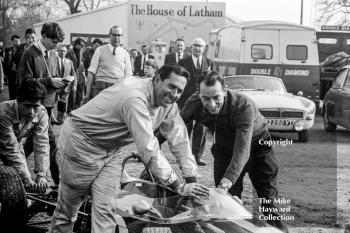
(109, 64)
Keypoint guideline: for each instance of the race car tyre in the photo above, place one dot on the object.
(303, 136)
(156, 229)
(327, 125)
(13, 200)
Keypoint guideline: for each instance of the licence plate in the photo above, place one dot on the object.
(280, 122)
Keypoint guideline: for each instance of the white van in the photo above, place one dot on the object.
(273, 48)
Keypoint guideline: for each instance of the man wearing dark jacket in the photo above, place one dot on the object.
(36, 62)
(140, 60)
(30, 37)
(195, 65)
(76, 56)
(178, 55)
(9, 67)
(239, 134)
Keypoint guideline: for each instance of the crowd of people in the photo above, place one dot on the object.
(108, 97)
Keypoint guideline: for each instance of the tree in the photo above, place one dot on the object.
(73, 5)
(13, 10)
(7, 10)
(333, 12)
(94, 4)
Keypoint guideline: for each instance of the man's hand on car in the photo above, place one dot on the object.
(225, 184)
(30, 185)
(42, 184)
(195, 190)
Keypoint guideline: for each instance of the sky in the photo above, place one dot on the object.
(282, 10)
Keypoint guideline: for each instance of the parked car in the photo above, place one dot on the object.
(336, 104)
(284, 112)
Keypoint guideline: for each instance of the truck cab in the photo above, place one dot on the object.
(332, 40)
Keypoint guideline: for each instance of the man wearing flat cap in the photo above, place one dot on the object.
(195, 65)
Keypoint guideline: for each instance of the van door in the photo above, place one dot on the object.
(299, 61)
(259, 52)
(260, 47)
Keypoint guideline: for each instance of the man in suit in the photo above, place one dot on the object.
(140, 61)
(195, 65)
(75, 55)
(89, 52)
(31, 38)
(9, 67)
(133, 54)
(178, 55)
(65, 68)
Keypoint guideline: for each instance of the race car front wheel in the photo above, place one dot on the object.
(13, 200)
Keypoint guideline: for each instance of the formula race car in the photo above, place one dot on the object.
(145, 206)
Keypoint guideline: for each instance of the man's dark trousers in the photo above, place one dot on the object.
(198, 138)
(12, 84)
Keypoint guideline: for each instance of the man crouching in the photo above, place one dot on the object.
(19, 119)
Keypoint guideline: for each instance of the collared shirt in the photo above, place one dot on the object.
(194, 59)
(60, 62)
(112, 124)
(1, 77)
(144, 58)
(179, 58)
(113, 67)
(132, 61)
(12, 133)
(233, 127)
(42, 48)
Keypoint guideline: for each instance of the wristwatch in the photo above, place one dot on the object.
(225, 185)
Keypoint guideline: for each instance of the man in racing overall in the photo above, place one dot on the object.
(92, 136)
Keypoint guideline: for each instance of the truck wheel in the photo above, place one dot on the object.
(13, 199)
(303, 136)
(327, 125)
